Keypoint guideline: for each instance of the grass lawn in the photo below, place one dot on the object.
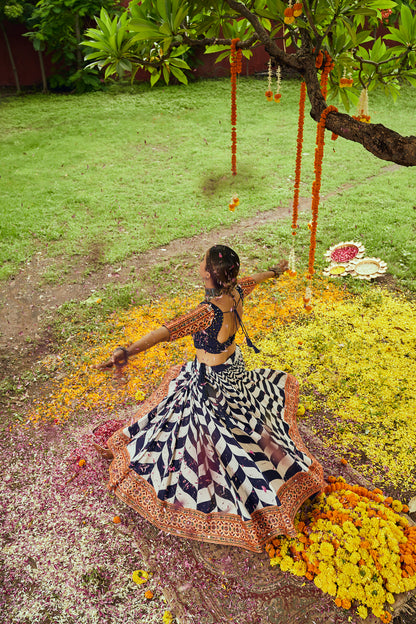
(122, 171)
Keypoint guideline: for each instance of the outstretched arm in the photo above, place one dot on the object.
(121, 354)
(275, 271)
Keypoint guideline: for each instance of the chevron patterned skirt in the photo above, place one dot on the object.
(215, 455)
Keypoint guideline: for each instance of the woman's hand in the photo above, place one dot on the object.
(119, 358)
(280, 268)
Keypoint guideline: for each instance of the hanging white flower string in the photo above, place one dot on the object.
(278, 95)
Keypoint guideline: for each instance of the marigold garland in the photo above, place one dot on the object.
(316, 187)
(235, 201)
(344, 81)
(326, 70)
(235, 61)
(298, 167)
(354, 545)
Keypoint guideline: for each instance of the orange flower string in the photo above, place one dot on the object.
(298, 167)
(316, 187)
(235, 61)
(326, 70)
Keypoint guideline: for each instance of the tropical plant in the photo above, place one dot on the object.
(56, 26)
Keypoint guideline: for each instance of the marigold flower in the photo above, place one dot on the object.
(140, 576)
(297, 9)
(167, 617)
(148, 594)
(81, 463)
(116, 519)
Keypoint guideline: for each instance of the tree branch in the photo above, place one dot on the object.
(208, 41)
(383, 142)
(289, 60)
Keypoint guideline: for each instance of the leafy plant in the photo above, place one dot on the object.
(56, 26)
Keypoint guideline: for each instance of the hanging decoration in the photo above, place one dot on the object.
(235, 61)
(291, 12)
(278, 95)
(327, 65)
(233, 203)
(344, 81)
(298, 167)
(316, 187)
(362, 107)
(269, 92)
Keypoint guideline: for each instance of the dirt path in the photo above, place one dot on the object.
(26, 303)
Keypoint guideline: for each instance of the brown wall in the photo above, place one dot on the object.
(25, 58)
(28, 68)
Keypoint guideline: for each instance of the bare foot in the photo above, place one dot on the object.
(105, 453)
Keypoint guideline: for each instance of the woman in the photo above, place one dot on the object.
(214, 454)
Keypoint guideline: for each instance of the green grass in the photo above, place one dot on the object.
(122, 171)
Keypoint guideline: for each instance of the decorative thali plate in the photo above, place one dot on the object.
(336, 270)
(366, 268)
(343, 253)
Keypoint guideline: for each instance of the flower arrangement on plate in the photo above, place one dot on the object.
(366, 268)
(336, 270)
(343, 253)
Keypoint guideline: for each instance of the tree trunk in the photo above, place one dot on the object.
(78, 38)
(9, 50)
(42, 71)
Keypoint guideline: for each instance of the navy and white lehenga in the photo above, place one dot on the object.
(215, 454)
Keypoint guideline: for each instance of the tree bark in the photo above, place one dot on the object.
(78, 38)
(9, 50)
(43, 73)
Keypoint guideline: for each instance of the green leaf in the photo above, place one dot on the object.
(216, 48)
(154, 77)
(178, 73)
(222, 56)
(165, 69)
(178, 63)
(145, 30)
(411, 79)
(266, 23)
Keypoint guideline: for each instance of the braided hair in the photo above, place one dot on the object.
(223, 264)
